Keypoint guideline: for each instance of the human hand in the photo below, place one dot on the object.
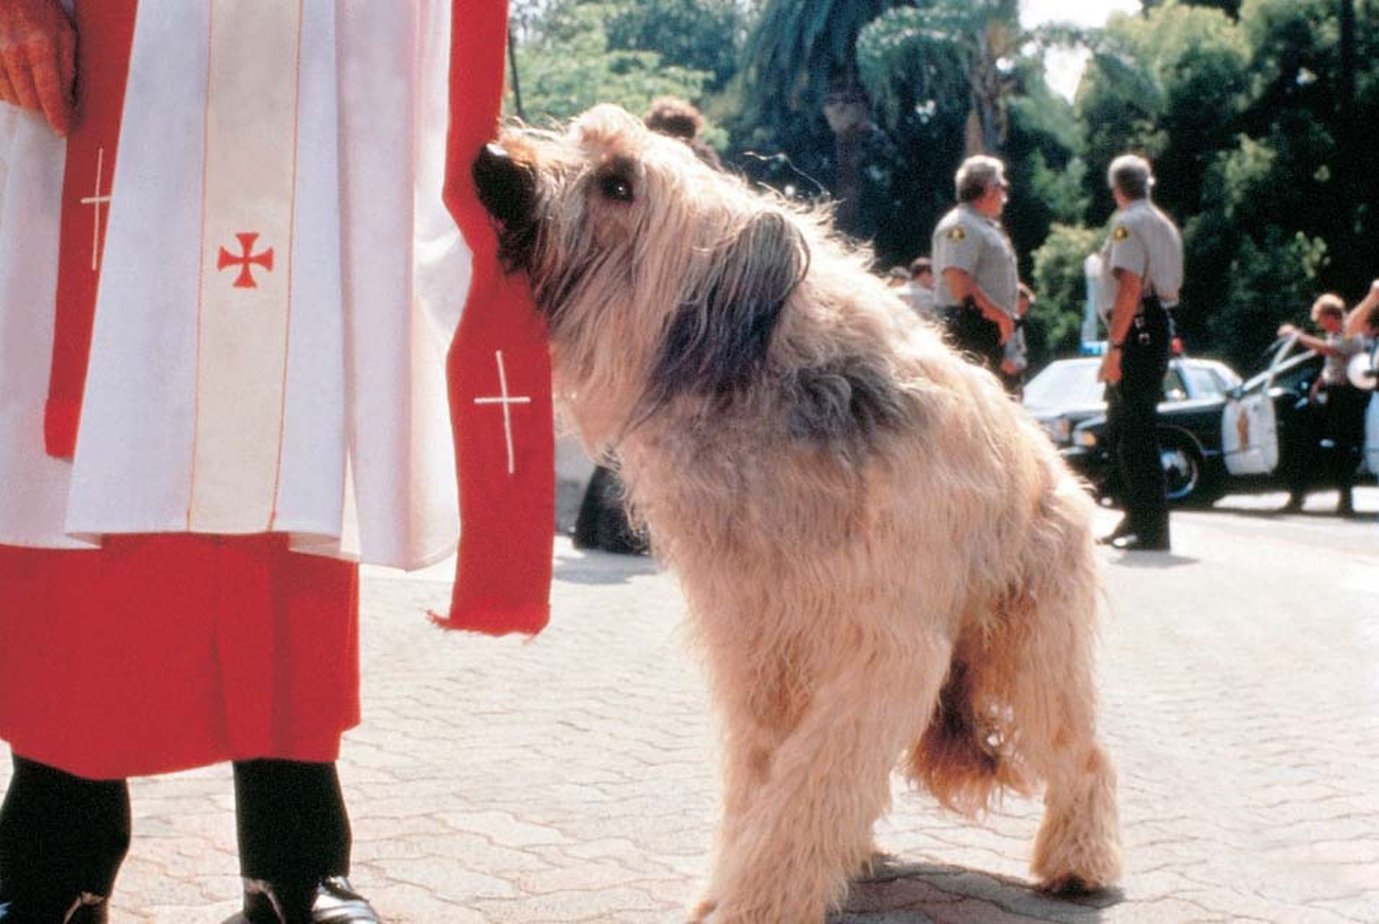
(1006, 324)
(38, 60)
(1109, 372)
(1286, 330)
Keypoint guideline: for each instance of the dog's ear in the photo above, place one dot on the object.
(718, 339)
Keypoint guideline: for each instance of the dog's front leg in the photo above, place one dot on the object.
(758, 710)
(807, 826)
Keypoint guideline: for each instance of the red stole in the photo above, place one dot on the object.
(499, 372)
(105, 30)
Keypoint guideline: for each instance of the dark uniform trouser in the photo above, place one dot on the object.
(1338, 416)
(1132, 421)
(1345, 424)
(61, 835)
(972, 333)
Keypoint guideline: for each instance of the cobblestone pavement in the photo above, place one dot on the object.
(571, 778)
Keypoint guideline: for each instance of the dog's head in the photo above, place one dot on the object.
(638, 249)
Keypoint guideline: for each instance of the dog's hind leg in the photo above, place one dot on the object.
(807, 826)
(1046, 656)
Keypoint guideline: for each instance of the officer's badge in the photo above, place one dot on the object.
(956, 233)
(1120, 233)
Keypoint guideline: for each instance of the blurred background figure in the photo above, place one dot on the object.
(1334, 420)
(1016, 358)
(975, 269)
(678, 118)
(1142, 263)
(920, 289)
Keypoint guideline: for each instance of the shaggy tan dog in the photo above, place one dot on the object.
(885, 560)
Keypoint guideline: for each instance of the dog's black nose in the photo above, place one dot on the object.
(506, 187)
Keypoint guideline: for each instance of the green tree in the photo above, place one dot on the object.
(1054, 325)
(1260, 116)
(567, 63)
(960, 53)
(701, 35)
(1044, 163)
(1272, 278)
(801, 87)
(1172, 85)
(955, 78)
(1229, 7)
(1318, 107)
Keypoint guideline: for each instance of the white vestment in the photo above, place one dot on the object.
(374, 270)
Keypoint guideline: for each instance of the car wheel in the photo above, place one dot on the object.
(1184, 473)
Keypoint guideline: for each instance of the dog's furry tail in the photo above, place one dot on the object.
(964, 757)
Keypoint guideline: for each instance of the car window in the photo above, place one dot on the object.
(1295, 373)
(1226, 379)
(1174, 389)
(1068, 384)
(1203, 381)
(1299, 376)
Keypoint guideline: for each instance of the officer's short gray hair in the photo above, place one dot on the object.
(976, 174)
(1132, 175)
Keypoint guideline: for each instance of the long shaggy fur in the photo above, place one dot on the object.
(885, 560)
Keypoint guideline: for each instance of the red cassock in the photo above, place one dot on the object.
(233, 305)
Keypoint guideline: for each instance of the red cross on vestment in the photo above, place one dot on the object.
(245, 260)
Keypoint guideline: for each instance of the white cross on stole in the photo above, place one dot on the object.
(504, 400)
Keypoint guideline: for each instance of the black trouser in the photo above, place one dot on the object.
(61, 835)
(972, 333)
(1339, 416)
(1132, 422)
(291, 821)
(1345, 425)
(602, 522)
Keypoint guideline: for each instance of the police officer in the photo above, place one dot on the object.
(974, 263)
(1143, 265)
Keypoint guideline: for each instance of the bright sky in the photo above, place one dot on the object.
(1065, 68)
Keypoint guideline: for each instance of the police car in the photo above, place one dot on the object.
(1232, 443)
(1066, 392)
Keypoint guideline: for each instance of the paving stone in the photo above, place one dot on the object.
(571, 778)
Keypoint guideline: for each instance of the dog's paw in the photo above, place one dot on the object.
(1086, 873)
(877, 865)
(1069, 885)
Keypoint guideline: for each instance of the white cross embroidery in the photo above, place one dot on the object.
(95, 201)
(506, 400)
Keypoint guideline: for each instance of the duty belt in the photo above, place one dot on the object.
(1140, 327)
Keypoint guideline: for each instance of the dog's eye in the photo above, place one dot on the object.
(616, 187)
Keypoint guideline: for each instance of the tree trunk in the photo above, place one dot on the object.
(847, 146)
(848, 112)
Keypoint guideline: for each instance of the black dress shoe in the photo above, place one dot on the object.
(332, 900)
(1140, 544)
(85, 909)
(89, 909)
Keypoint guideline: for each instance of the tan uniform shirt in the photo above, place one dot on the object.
(967, 240)
(1146, 242)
